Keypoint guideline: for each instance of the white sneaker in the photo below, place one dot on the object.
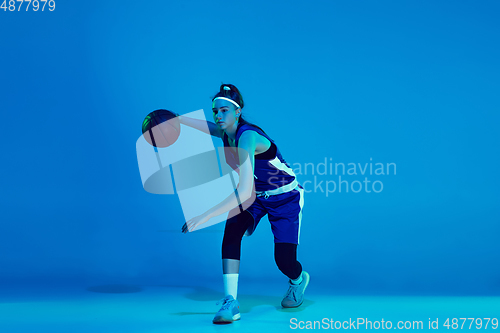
(295, 294)
(229, 311)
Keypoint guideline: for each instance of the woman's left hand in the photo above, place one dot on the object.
(194, 222)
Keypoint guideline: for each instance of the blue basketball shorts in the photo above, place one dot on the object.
(284, 213)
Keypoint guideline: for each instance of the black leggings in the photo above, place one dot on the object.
(285, 254)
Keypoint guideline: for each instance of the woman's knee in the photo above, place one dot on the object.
(233, 234)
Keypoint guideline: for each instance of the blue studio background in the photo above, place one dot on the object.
(404, 82)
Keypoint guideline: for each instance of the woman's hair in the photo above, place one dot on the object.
(234, 94)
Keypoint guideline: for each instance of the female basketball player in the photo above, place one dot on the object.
(277, 193)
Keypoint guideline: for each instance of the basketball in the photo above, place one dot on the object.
(161, 128)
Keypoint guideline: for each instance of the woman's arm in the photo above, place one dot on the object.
(245, 188)
(201, 125)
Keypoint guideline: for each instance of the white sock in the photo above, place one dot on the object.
(297, 280)
(231, 284)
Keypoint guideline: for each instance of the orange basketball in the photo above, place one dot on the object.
(161, 128)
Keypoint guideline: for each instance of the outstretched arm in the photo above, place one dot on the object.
(201, 125)
(245, 188)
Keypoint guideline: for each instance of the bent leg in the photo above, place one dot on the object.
(286, 258)
(285, 255)
(233, 233)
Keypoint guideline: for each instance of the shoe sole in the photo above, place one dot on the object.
(296, 306)
(224, 321)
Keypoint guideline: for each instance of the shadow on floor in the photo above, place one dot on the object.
(247, 301)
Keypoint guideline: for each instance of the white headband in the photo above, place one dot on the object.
(227, 99)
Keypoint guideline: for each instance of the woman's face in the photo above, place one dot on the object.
(224, 113)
